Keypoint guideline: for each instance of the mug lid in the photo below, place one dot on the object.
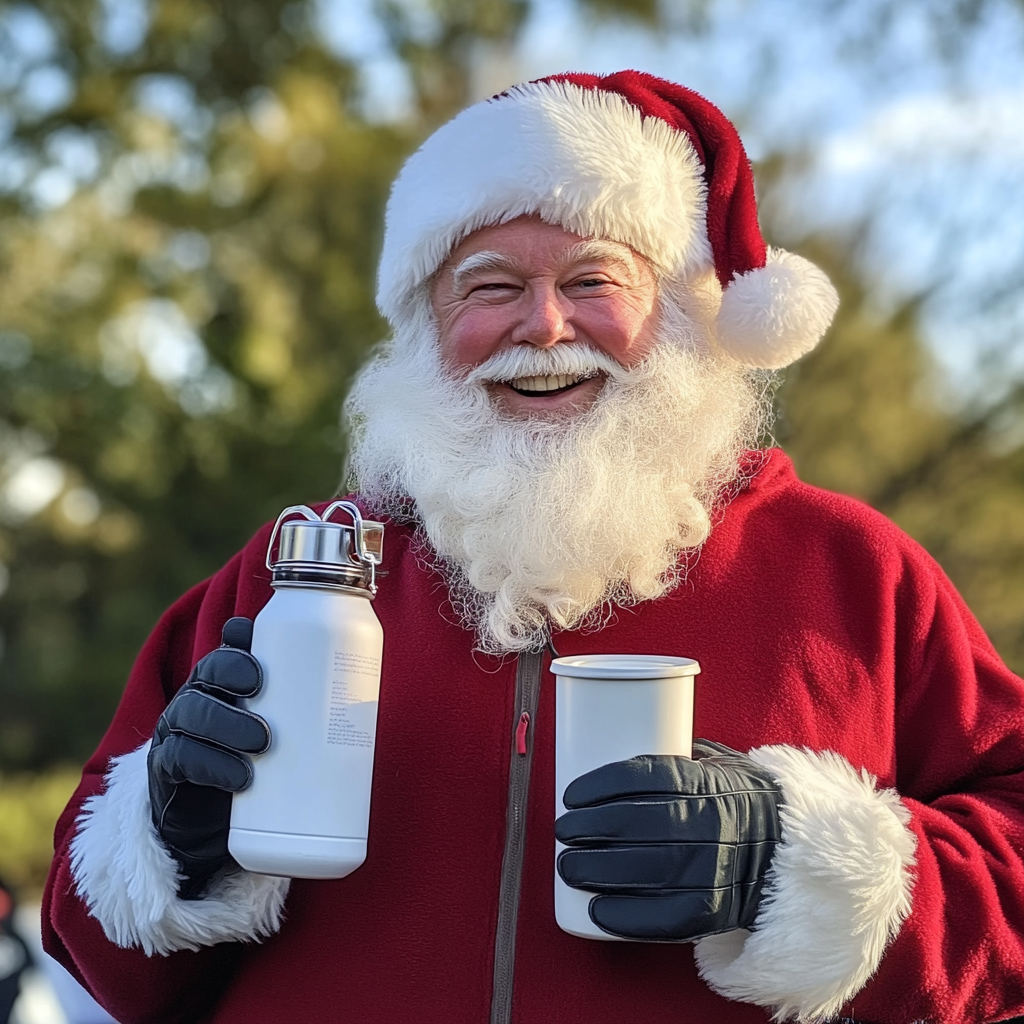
(624, 666)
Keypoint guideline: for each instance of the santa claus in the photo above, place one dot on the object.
(562, 436)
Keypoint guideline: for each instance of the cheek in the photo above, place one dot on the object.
(472, 336)
(623, 332)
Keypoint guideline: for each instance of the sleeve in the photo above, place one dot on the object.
(110, 911)
(960, 772)
(900, 903)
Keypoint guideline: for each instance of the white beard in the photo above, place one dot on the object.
(552, 522)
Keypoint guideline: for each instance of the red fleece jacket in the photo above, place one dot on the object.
(816, 623)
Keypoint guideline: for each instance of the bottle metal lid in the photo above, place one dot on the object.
(313, 551)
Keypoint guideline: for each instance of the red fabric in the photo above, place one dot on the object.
(815, 621)
(732, 227)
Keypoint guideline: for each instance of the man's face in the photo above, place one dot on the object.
(509, 485)
(529, 283)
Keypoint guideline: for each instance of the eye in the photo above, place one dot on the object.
(488, 288)
(591, 284)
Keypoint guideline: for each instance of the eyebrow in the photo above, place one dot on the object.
(582, 252)
(599, 249)
(486, 260)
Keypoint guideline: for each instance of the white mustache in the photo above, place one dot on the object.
(527, 361)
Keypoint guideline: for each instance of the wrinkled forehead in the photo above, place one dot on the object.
(472, 259)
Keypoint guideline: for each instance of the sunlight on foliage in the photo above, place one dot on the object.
(29, 808)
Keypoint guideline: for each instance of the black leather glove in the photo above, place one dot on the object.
(676, 848)
(198, 757)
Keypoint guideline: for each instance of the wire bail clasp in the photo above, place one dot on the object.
(364, 553)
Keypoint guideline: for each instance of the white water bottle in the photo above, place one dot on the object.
(319, 643)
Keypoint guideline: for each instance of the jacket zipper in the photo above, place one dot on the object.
(528, 672)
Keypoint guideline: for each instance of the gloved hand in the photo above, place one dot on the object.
(198, 757)
(676, 848)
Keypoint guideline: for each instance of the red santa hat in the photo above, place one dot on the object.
(627, 157)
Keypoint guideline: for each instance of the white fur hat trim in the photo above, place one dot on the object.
(582, 158)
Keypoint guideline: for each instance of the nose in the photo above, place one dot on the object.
(546, 319)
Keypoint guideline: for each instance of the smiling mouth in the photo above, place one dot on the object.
(548, 384)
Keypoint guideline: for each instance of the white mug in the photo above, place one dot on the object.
(610, 707)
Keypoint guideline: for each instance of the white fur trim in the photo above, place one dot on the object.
(836, 894)
(129, 881)
(772, 316)
(582, 158)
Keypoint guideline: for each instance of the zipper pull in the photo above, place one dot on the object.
(524, 724)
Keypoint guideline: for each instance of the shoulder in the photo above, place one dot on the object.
(777, 498)
(814, 550)
(802, 531)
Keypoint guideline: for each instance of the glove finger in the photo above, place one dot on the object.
(661, 866)
(237, 632)
(228, 672)
(182, 759)
(739, 818)
(162, 730)
(648, 774)
(695, 818)
(677, 916)
(665, 866)
(204, 717)
(652, 775)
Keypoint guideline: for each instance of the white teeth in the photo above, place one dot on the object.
(549, 382)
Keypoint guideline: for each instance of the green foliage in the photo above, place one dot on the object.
(29, 808)
(865, 414)
(857, 411)
(439, 41)
(186, 325)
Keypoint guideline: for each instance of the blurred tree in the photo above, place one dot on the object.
(177, 334)
(192, 195)
(29, 805)
(867, 414)
(441, 43)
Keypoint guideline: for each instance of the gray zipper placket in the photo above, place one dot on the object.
(528, 670)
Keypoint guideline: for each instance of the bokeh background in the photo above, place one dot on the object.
(190, 214)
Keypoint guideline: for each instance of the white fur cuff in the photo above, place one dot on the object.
(835, 896)
(129, 881)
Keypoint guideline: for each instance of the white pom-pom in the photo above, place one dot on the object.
(771, 316)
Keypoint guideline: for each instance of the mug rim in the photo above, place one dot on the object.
(623, 666)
